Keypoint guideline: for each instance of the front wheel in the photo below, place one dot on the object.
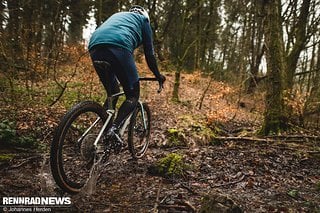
(72, 151)
(139, 131)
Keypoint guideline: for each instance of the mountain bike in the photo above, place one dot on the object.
(79, 141)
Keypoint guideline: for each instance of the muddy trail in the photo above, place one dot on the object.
(265, 174)
(258, 176)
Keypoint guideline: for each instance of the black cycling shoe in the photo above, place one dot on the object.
(113, 140)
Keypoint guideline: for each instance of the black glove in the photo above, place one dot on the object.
(161, 79)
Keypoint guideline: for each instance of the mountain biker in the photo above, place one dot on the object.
(114, 42)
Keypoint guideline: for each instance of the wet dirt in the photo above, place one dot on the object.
(260, 177)
(270, 175)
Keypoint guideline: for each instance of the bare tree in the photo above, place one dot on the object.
(274, 119)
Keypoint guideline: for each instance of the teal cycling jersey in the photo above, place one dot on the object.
(124, 29)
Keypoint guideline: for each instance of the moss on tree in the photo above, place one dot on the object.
(274, 121)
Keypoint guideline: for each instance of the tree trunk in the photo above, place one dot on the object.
(299, 45)
(256, 46)
(2, 15)
(313, 100)
(175, 93)
(198, 34)
(274, 119)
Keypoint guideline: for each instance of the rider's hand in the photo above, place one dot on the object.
(161, 79)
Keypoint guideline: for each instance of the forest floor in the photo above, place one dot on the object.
(278, 173)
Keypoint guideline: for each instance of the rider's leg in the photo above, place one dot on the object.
(129, 79)
(128, 106)
(124, 68)
(107, 77)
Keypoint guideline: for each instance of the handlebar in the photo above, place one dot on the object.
(152, 79)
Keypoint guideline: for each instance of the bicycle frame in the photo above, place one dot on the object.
(75, 150)
(111, 112)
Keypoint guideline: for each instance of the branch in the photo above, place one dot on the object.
(275, 138)
(306, 72)
(249, 139)
(156, 205)
(64, 87)
(300, 137)
(204, 93)
(187, 50)
(25, 161)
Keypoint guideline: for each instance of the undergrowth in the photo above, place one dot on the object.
(9, 137)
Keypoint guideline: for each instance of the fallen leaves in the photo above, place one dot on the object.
(259, 173)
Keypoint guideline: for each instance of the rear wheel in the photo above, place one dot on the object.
(72, 151)
(139, 131)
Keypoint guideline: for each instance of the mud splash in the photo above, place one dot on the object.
(95, 173)
(47, 184)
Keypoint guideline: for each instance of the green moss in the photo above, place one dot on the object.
(173, 131)
(275, 122)
(293, 193)
(6, 157)
(194, 127)
(205, 134)
(172, 165)
(176, 137)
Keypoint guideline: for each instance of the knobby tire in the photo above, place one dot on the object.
(56, 159)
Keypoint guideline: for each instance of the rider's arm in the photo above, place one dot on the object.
(149, 50)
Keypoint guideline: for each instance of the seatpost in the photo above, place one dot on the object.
(110, 104)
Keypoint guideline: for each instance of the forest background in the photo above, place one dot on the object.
(245, 43)
(267, 52)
